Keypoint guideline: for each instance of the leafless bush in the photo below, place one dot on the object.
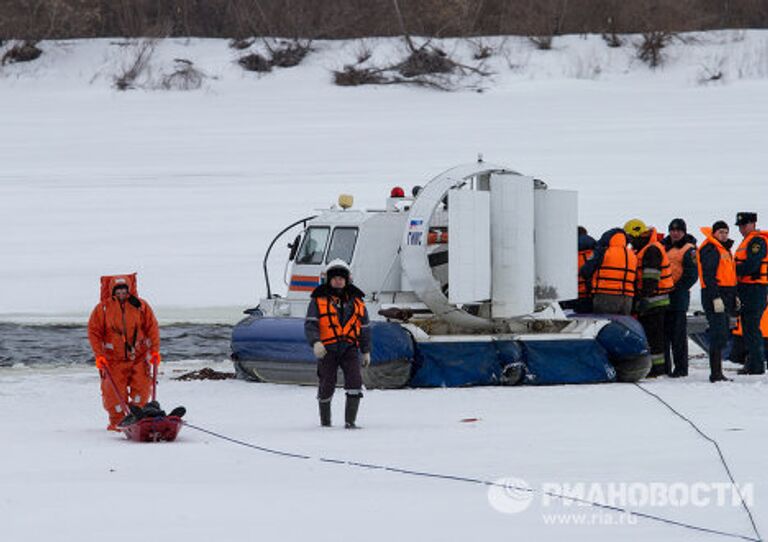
(543, 43)
(352, 76)
(480, 49)
(184, 77)
(649, 50)
(241, 43)
(712, 70)
(425, 61)
(612, 40)
(255, 62)
(25, 51)
(137, 65)
(611, 36)
(364, 53)
(289, 54)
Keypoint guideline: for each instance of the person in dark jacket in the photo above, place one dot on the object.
(610, 272)
(681, 251)
(752, 276)
(337, 329)
(717, 272)
(583, 304)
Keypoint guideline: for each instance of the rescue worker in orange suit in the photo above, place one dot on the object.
(652, 286)
(611, 272)
(583, 304)
(337, 329)
(717, 273)
(681, 251)
(752, 288)
(125, 339)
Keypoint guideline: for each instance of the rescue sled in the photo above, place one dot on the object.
(151, 428)
(462, 285)
(165, 428)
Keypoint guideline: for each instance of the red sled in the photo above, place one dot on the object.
(162, 429)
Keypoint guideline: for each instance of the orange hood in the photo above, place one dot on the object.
(108, 283)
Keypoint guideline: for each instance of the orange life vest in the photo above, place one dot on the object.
(331, 330)
(665, 280)
(584, 255)
(726, 269)
(676, 256)
(616, 274)
(741, 256)
(763, 326)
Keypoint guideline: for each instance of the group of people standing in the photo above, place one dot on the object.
(634, 270)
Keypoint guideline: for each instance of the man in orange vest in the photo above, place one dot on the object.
(717, 272)
(652, 286)
(337, 329)
(611, 273)
(681, 251)
(125, 339)
(752, 275)
(582, 304)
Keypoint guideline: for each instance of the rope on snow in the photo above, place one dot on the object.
(717, 448)
(477, 481)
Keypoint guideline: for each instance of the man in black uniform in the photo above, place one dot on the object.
(337, 329)
(752, 274)
(681, 251)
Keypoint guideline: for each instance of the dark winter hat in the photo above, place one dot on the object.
(745, 218)
(678, 224)
(719, 225)
(338, 272)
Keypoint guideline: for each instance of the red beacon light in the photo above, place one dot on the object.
(397, 192)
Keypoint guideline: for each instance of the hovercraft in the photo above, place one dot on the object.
(462, 284)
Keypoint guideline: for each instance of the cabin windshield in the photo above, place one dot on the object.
(313, 246)
(342, 244)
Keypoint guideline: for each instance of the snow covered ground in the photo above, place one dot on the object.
(65, 478)
(188, 188)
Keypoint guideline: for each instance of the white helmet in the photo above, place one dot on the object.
(338, 267)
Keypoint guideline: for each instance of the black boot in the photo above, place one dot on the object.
(179, 412)
(350, 411)
(325, 413)
(716, 367)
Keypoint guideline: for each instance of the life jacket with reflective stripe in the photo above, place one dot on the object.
(331, 330)
(726, 269)
(676, 256)
(584, 255)
(763, 326)
(665, 279)
(616, 274)
(741, 256)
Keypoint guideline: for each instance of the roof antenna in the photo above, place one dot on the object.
(479, 158)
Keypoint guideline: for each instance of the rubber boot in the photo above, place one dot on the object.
(325, 413)
(350, 411)
(716, 367)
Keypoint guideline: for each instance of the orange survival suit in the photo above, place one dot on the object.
(127, 335)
